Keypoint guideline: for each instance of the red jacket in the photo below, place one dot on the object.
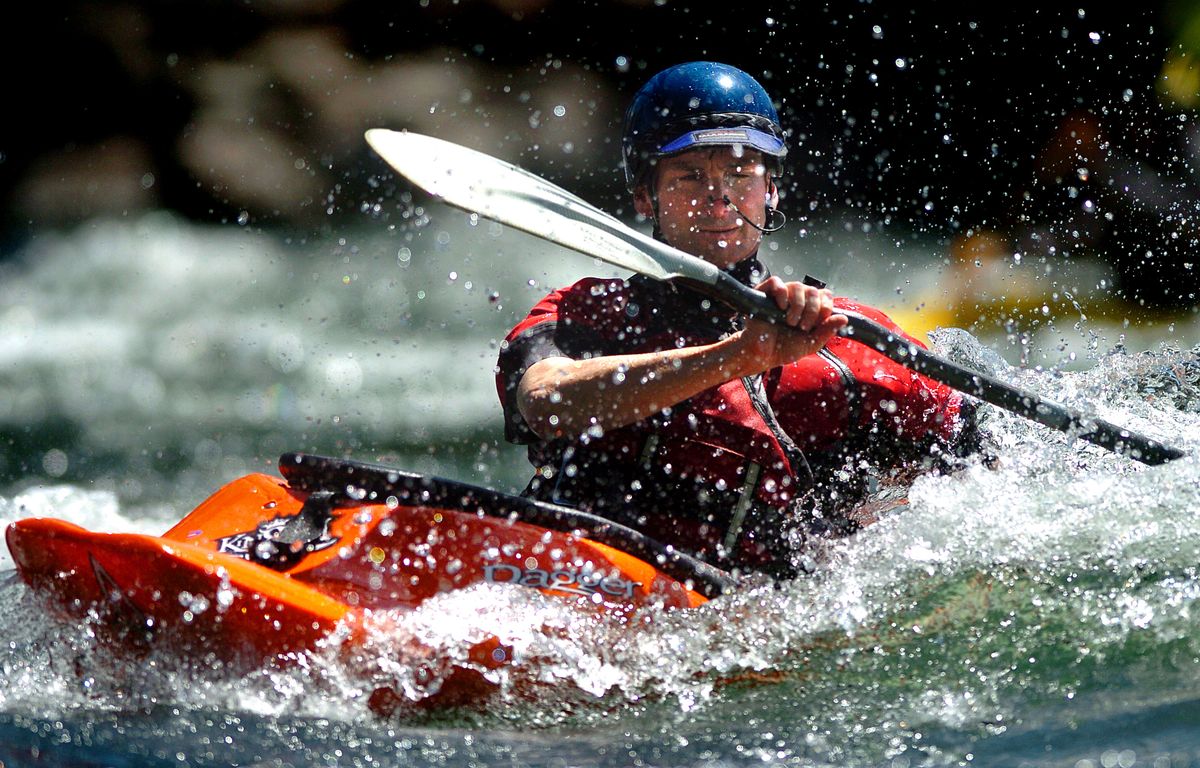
(823, 403)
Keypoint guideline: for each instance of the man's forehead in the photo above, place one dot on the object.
(731, 156)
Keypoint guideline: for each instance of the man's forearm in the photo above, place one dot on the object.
(559, 396)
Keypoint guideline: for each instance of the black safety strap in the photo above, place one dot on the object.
(375, 483)
(854, 395)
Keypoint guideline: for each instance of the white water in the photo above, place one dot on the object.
(155, 360)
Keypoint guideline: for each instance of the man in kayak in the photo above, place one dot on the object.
(653, 404)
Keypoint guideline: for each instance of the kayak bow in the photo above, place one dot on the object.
(268, 566)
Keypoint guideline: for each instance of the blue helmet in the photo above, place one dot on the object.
(700, 103)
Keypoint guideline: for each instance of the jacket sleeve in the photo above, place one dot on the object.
(585, 320)
(532, 339)
(907, 403)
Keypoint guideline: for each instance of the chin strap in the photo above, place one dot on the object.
(768, 227)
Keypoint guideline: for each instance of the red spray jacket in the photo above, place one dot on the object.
(818, 404)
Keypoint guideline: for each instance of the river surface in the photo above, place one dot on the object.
(1039, 609)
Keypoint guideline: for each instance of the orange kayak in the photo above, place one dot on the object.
(269, 566)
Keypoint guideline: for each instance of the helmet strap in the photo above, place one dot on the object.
(652, 194)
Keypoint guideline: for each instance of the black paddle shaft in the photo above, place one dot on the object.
(973, 383)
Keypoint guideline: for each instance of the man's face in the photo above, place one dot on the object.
(692, 212)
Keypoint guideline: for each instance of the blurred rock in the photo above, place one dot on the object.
(113, 177)
(231, 108)
(282, 124)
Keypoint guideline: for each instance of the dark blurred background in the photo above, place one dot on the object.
(1055, 132)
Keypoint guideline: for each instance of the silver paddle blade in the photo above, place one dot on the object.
(505, 193)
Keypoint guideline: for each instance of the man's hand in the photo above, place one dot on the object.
(809, 325)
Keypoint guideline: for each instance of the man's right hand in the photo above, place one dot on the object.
(810, 322)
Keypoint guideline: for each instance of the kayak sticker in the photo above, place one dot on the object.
(242, 544)
(562, 579)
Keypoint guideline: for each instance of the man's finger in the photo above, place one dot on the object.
(796, 302)
(814, 310)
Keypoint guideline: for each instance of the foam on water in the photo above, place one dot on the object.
(1060, 580)
(1052, 588)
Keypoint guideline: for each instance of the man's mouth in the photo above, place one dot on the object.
(719, 229)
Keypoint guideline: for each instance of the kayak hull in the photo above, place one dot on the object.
(202, 587)
(145, 589)
(397, 555)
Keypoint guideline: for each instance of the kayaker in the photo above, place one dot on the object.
(652, 404)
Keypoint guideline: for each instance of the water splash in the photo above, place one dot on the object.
(1051, 591)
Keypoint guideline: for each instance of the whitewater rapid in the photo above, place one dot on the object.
(1047, 588)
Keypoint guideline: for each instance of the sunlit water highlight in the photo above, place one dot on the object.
(1039, 608)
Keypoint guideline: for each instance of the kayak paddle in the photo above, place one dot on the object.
(500, 191)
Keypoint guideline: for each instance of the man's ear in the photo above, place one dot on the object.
(772, 194)
(642, 202)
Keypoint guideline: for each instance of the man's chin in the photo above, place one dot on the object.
(725, 257)
(716, 248)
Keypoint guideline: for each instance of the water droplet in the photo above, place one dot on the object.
(55, 462)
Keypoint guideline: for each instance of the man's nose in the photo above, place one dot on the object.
(717, 194)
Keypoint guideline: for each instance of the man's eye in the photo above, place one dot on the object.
(748, 172)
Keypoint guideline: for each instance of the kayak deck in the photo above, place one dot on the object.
(372, 545)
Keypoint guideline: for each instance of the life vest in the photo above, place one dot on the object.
(744, 442)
